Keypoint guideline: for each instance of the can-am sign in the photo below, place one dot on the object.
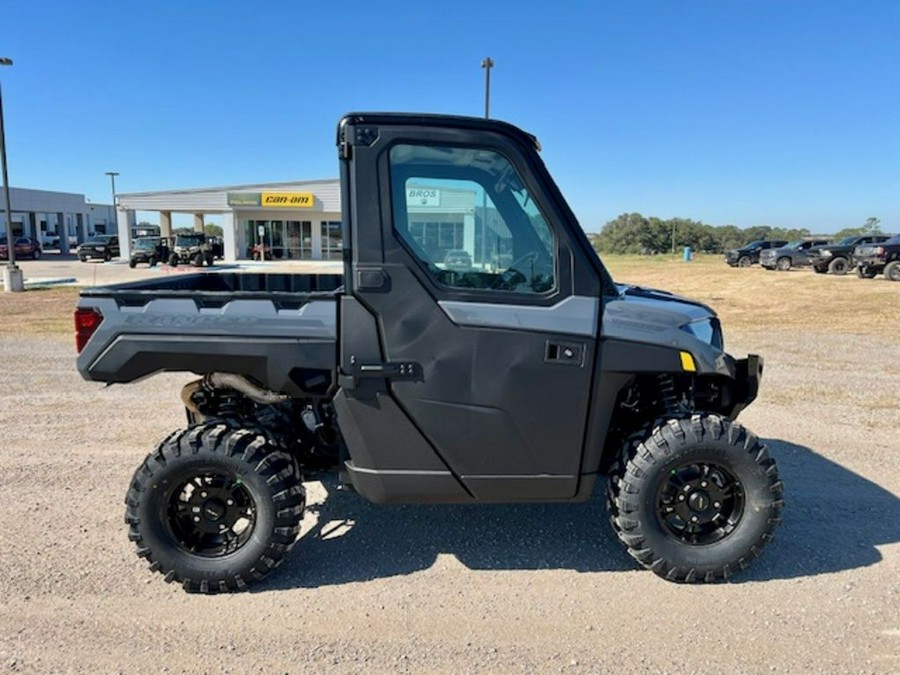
(273, 200)
(423, 196)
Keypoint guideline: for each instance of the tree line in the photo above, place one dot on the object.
(634, 233)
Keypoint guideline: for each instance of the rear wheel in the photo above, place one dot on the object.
(152, 262)
(892, 271)
(696, 500)
(215, 508)
(209, 259)
(198, 260)
(173, 260)
(838, 266)
(132, 263)
(36, 254)
(783, 264)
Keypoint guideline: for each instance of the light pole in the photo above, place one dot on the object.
(486, 63)
(12, 275)
(112, 177)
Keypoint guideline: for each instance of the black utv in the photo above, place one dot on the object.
(525, 376)
(148, 250)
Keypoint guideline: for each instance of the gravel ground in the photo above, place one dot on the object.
(453, 589)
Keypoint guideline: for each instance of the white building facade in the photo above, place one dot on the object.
(296, 220)
(61, 219)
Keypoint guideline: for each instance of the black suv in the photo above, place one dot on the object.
(792, 255)
(749, 254)
(103, 246)
(838, 258)
(874, 258)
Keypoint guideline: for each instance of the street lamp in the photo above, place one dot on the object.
(112, 177)
(12, 276)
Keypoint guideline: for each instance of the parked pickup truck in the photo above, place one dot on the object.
(749, 255)
(838, 258)
(792, 255)
(419, 381)
(871, 259)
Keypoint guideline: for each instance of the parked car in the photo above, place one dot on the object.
(26, 247)
(49, 240)
(149, 250)
(874, 258)
(458, 260)
(838, 258)
(749, 254)
(792, 255)
(103, 246)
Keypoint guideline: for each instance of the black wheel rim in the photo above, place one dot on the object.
(700, 503)
(211, 514)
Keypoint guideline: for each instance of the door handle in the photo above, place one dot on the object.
(564, 353)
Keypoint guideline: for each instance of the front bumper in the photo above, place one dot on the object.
(747, 375)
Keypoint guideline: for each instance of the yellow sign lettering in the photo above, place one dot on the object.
(288, 200)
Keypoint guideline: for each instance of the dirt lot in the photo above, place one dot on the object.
(470, 589)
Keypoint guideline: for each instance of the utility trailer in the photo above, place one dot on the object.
(522, 376)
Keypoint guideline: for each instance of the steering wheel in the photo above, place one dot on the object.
(511, 277)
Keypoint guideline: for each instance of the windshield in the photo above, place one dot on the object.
(846, 241)
(99, 240)
(794, 245)
(754, 244)
(187, 240)
(145, 244)
(894, 240)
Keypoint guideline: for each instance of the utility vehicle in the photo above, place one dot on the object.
(519, 380)
(192, 248)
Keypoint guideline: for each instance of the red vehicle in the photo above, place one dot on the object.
(26, 247)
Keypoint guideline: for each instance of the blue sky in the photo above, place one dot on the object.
(785, 113)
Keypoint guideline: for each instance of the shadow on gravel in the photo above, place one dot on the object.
(833, 520)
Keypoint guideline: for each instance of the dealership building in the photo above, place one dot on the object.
(297, 220)
(46, 216)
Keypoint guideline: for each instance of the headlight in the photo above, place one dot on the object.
(706, 330)
(825, 253)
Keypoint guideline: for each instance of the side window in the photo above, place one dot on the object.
(468, 218)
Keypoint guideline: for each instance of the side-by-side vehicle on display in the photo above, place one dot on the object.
(191, 248)
(423, 381)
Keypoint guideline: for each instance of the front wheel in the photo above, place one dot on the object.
(744, 261)
(696, 500)
(152, 261)
(173, 260)
(783, 264)
(892, 271)
(215, 508)
(36, 254)
(864, 273)
(838, 266)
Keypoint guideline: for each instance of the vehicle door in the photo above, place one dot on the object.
(484, 364)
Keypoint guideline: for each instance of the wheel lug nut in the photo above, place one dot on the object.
(694, 519)
(196, 519)
(681, 498)
(703, 484)
(203, 494)
(230, 502)
(716, 505)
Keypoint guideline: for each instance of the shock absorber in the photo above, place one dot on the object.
(667, 395)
